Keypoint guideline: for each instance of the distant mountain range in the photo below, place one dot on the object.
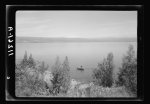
(48, 40)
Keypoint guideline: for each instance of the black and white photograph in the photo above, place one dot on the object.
(76, 53)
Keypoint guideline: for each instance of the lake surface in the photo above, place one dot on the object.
(87, 54)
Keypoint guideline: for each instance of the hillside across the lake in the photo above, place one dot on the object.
(47, 39)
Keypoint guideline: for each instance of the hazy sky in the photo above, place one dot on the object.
(79, 24)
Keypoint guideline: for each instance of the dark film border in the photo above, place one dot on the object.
(10, 67)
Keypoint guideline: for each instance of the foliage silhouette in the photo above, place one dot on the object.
(128, 71)
(103, 74)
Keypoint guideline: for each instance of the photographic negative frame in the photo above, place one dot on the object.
(11, 47)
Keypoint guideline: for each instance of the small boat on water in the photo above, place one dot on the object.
(81, 69)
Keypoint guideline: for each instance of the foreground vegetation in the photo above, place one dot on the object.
(35, 79)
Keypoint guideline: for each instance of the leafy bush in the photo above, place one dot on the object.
(66, 76)
(61, 76)
(31, 62)
(128, 72)
(33, 79)
(103, 75)
(24, 61)
(42, 68)
(27, 77)
(27, 62)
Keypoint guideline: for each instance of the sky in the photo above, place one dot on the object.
(76, 24)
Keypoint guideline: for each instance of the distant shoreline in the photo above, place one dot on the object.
(51, 40)
(81, 42)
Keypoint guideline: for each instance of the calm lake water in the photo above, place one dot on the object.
(87, 54)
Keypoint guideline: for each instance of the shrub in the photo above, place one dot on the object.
(31, 62)
(128, 72)
(61, 77)
(57, 77)
(27, 77)
(66, 76)
(27, 62)
(24, 61)
(103, 75)
(42, 68)
(47, 78)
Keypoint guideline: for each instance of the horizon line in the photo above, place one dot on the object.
(70, 37)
